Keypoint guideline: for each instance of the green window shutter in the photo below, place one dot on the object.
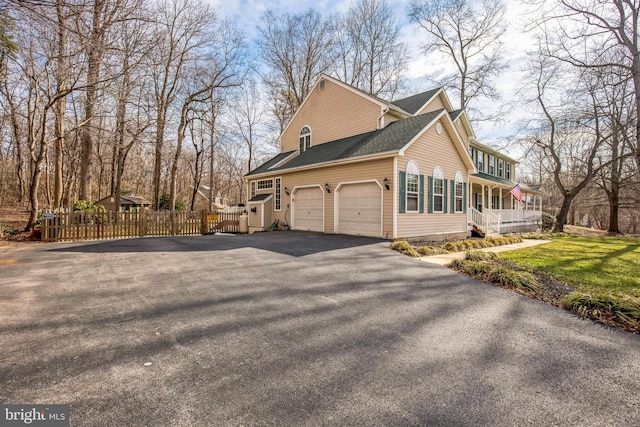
(403, 191)
(452, 183)
(444, 195)
(421, 194)
(464, 197)
(430, 195)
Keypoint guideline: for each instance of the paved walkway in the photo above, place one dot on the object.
(447, 258)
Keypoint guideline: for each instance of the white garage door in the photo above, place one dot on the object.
(308, 211)
(360, 209)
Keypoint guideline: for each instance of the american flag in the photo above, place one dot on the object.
(516, 192)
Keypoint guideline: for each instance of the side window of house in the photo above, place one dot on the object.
(491, 165)
(480, 161)
(438, 190)
(253, 189)
(411, 189)
(278, 193)
(500, 168)
(305, 138)
(459, 193)
(508, 170)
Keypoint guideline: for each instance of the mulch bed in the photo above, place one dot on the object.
(552, 291)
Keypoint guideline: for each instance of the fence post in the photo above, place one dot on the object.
(204, 223)
(142, 221)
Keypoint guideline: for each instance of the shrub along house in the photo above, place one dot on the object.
(352, 163)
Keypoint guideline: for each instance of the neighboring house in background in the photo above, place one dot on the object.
(352, 163)
(127, 203)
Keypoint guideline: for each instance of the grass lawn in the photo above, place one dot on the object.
(598, 265)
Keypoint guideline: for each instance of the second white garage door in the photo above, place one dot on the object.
(308, 211)
(360, 209)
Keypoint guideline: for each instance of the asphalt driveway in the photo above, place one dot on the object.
(290, 328)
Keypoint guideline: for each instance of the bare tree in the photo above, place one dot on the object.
(370, 54)
(100, 18)
(469, 37)
(247, 117)
(591, 32)
(222, 68)
(296, 48)
(567, 130)
(180, 30)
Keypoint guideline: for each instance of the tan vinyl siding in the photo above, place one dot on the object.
(431, 150)
(255, 217)
(390, 118)
(463, 132)
(333, 113)
(334, 175)
(435, 104)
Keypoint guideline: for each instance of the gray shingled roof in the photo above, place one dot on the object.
(455, 114)
(260, 197)
(413, 103)
(391, 138)
(269, 163)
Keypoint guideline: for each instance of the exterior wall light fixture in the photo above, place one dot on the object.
(286, 191)
(326, 187)
(386, 183)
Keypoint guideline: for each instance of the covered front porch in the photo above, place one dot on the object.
(493, 210)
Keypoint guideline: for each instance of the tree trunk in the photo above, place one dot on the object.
(182, 128)
(157, 165)
(96, 48)
(61, 106)
(561, 218)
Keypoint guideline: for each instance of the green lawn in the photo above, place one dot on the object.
(590, 264)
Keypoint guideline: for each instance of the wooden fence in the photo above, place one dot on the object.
(59, 225)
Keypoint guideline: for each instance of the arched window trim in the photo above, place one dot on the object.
(438, 190)
(413, 187)
(305, 138)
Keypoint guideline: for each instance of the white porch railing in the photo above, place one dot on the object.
(515, 215)
(490, 221)
(477, 219)
(493, 221)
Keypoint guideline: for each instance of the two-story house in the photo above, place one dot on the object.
(352, 163)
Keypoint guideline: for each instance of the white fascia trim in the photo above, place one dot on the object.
(457, 141)
(286, 159)
(369, 157)
(467, 124)
(417, 113)
(395, 197)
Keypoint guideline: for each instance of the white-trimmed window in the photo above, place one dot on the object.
(305, 138)
(253, 189)
(413, 186)
(500, 168)
(508, 170)
(492, 169)
(265, 184)
(278, 198)
(459, 193)
(438, 190)
(480, 162)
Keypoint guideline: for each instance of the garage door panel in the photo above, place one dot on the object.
(308, 212)
(360, 209)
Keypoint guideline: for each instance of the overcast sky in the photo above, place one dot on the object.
(246, 15)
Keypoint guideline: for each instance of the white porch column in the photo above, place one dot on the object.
(483, 205)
